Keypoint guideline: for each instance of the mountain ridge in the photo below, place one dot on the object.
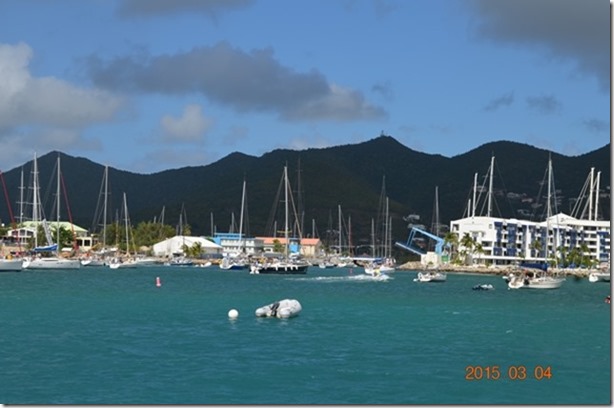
(349, 177)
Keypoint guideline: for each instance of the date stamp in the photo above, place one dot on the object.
(511, 373)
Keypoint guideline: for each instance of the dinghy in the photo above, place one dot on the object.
(282, 309)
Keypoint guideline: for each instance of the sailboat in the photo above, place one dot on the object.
(128, 261)
(532, 277)
(100, 257)
(385, 263)
(237, 261)
(49, 262)
(287, 265)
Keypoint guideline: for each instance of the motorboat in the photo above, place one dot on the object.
(484, 286)
(599, 277)
(538, 281)
(280, 267)
(282, 309)
(430, 277)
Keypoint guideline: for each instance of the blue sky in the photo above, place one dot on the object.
(150, 85)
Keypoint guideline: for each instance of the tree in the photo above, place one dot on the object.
(451, 240)
(468, 245)
(277, 246)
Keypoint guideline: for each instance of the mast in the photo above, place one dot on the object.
(241, 217)
(492, 166)
(475, 187)
(21, 188)
(286, 208)
(57, 218)
(35, 197)
(350, 250)
(340, 226)
(590, 195)
(549, 212)
(435, 226)
(104, 210)
(597, 195)
(126, 225)
(388, 231)
(372, 238)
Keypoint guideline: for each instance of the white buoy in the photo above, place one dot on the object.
(233, 314)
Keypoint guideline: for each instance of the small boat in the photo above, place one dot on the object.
(10, 264)
(179, 261)
(431, 277)
(535, 276)
(484, 286)
(122, 263)
(282, 309)
(599, 277)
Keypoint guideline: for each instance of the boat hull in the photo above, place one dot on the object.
(11, 265)
(52, 263)
(536, 283)
(284, 269)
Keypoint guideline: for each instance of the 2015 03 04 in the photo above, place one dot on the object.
(512, 373)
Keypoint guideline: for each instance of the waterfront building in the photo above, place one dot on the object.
(509, 241)
(175, 245)
(235, 243)
(22, 235)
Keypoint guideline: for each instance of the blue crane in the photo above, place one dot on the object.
(416, 233)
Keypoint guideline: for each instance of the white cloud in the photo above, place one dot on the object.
(191, 126)
(26, 100)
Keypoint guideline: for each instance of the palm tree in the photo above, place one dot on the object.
(479, 249)
(468, 245)
(536, 247)
(451, 240)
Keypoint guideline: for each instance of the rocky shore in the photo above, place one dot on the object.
(489, 270)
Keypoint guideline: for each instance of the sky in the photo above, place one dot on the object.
(151, 85)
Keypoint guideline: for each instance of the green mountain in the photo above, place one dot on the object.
(350, 177)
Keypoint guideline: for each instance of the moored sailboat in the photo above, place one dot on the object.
(128, 260)
(55, 261)
(287, 264)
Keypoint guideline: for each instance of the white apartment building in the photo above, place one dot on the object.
(508, 241)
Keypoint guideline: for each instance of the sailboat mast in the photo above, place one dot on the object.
(387, 230)
(286, 208)
(597, 195)
(126, 225)
(104, 210)
(35, 197)
(241, 217)
(373, 238)
(548, 206)
(475, 187)
(21, 198)
(590, 195)
(57, 218)
(350, 249)
(436, 229)
(492, 167)
(340, 243)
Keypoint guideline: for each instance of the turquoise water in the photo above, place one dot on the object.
(101, 336)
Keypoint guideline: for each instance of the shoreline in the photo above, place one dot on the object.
(489, 270)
